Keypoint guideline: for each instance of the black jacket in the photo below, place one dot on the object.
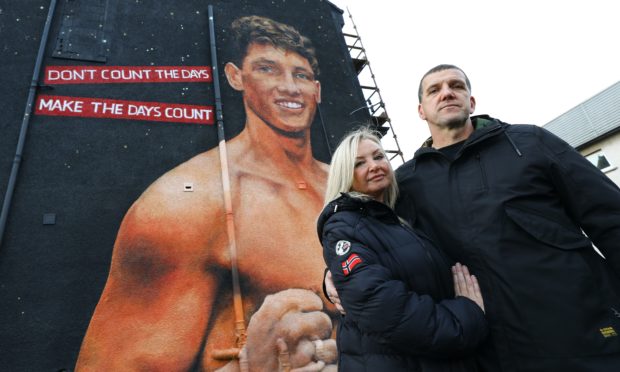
(512, 205)
(397, 291)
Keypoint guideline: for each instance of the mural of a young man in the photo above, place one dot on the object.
(167, 304)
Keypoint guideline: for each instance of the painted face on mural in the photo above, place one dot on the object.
(278, 87)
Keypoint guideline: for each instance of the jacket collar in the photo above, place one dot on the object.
(367, 207)
(484, 127)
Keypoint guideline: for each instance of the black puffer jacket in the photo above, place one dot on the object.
(512, 206)
(397, 290)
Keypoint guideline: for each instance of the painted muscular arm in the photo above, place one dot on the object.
(156, 304)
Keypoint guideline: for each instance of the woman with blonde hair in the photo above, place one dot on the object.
(401, 312)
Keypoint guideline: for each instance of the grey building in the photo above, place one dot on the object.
(593, 128)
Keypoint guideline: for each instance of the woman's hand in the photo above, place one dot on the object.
(466, 285)
(332, 293)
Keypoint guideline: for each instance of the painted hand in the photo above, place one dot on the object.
(289, 333)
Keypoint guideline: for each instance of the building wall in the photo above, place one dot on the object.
(610, 147)
(82, 170)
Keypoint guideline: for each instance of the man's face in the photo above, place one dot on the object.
(446, 100)
(278, 86)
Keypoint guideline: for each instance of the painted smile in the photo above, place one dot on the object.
(289, 104)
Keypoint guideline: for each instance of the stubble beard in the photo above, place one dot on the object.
(457, 122)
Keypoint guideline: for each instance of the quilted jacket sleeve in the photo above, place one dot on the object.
(384, 308)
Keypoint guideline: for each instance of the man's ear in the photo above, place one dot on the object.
(318, 91)
(233, 75)
(472, 104)
(421, 112)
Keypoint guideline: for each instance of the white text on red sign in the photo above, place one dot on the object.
(122, 109)
(126, 74)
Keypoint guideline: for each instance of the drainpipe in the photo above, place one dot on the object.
(25, 122)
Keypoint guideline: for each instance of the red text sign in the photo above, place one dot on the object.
(126, 74)
(121, 109)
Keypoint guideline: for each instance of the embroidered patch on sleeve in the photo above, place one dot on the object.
(607, 331)
(349, 264)
(342, 247)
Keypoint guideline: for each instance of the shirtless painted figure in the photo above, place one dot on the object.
(168, 303)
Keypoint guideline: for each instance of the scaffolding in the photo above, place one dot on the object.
(381, 121)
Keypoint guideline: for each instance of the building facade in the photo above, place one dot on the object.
(593, 128)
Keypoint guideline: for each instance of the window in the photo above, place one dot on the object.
(599, 160)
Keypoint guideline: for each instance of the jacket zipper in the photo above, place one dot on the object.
(483, 174)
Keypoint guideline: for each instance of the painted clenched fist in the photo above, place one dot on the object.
(290, 332)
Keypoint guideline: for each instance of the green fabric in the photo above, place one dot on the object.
(481, 122)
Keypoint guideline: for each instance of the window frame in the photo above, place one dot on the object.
(593, 159)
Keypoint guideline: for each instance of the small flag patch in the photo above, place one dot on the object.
(349, 264)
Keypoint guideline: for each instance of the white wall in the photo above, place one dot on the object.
(610, 146)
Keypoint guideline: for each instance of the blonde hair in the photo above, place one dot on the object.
(341, 170)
